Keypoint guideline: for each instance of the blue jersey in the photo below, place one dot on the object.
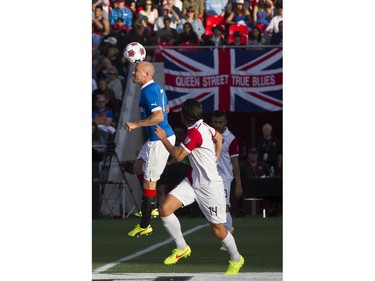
(153, 97)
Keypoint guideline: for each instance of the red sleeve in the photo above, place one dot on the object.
(233, 148)
(193, 139)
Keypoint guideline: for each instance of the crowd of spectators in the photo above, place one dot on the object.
(115, 23)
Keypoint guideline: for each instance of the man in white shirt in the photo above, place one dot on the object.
(202, 144)
(227, 165)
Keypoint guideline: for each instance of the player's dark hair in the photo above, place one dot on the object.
(192, 111)
(219, 113)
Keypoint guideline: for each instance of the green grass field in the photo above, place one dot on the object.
(258, 240)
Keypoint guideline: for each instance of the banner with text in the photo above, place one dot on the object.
(226, 79)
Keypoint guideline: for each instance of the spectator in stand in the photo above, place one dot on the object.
(132, 6)
(150, 12)
(94, 4)
(270, 149)
(176, 3)
(196, 23)
(178, 11)
(239, 15)
(262, 14)
(102, 116)
(237, 36)
(167, 34)
(143, 20)
(121, 12)
(256, 37)
(103, 90)
(114, 83)
(107, 8)
(139, 34)
(277, 38)
(103, 67)
(169, 13)
(100, 26)
(120, 32)
(215, 7)
(250, 168)
(217, 38)
(188, 35)
(273, 26)
(116, 57)
(197, 5)
(232, 4)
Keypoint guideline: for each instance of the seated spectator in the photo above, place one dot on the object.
(166, 34)
(100, 26)
(103, 116)
(120, 32)
(217, 38)
(172, 4)
(139, 34)
(167, 12)
(121, 12)
(215, 7)
(115, 56)
(196, 23)
(277, 38)
(273, 26)
(263, 13)
(250, 168)
(103, 90)
(256, 37)
(103, 67)
(132, 6)
(198, 7)
(150, 12)
(188, 35)
(107, 8)
(114, 83)
(237, 36)
(239, 15)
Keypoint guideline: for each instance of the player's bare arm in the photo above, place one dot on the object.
(218, 140)
(155, 118)
(178, 153)
(236, 173)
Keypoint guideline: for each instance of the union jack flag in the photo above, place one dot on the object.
(225, 79)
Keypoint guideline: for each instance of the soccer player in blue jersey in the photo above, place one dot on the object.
(152, 158)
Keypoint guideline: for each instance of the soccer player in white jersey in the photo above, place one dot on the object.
(202, 144)
(227, 165)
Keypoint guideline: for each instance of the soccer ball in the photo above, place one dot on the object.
(135, 52)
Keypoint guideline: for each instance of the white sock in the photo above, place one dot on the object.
(231, 246)
(229, 224)
(173, 226)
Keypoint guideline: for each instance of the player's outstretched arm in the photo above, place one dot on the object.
(155, 118)
(177, 153)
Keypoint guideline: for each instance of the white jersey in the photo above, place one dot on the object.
(229, 150)
(199, 143)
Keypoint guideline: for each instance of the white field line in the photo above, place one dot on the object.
(203, 276)
(149, 249)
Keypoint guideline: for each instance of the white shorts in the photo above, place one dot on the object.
(227, 185)
(210, 199)
(155, 157)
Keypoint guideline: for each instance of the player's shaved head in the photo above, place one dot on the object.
(147, 67)
(143, 72)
